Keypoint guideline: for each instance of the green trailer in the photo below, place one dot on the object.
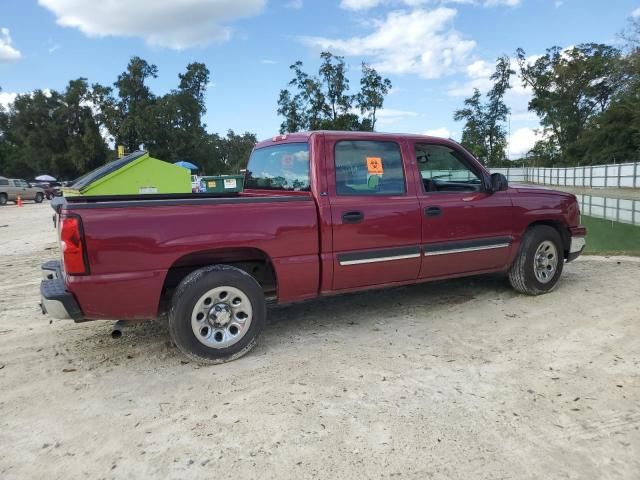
(134, 174)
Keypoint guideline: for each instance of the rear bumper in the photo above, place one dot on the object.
(55, 300)
(578, 242)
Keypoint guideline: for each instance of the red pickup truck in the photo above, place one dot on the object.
(322, 213)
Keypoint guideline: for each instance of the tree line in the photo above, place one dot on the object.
(64, 133)
(323, 101)
(587, 99)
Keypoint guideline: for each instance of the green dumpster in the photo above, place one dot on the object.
(136, 173)
(221, 184)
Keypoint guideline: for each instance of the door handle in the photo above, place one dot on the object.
(432, 211)
(352, 217)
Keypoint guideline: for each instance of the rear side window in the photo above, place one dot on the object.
(368, 168)
(279, 167)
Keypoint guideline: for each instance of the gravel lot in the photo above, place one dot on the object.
(462, 379)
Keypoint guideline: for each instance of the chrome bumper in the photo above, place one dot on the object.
(54, 308)
(55, 300)
(577, 244)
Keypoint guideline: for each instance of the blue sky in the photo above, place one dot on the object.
(434, 51)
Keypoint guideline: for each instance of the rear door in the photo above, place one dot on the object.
(374, 212)
(28, 193)
(16, 188)
(465, 228)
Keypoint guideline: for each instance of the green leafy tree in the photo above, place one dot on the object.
(373, 90)
(473, 133)
(484, 133)
(53, 132)
(335, 84)
(324, 102)
(236, 149)
(128, 116)
(496, 112)
(571, 87)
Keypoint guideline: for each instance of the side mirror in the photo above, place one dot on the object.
(498, 182)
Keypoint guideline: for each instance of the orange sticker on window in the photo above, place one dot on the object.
(374, 166)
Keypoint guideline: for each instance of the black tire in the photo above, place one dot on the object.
(192, 288)
(3, 199)
(39, 197)
(522, 273)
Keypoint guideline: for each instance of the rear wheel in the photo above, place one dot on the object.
(39, 197)
(539, 263)
(3, 198)
(217, 313)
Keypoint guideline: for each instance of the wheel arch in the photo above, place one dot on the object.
(560, 227)
(254, 261)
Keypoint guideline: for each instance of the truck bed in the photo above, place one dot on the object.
(137, 244)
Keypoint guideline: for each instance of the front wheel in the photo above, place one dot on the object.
(538, 266)
(3, 198)
(217, 313)
(39, 198)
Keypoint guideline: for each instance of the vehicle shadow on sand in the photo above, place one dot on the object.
(93, 341)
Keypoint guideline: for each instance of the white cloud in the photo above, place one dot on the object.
(419, 42)
(439, 132)
(266, 61)
(7, 52)
(558, 3)
(523, 140)
(164, 23)
(7, 98)
(295, 4)
(478, 76)
(53, 48)
(359, 4)
(636, 13)
(499, 3)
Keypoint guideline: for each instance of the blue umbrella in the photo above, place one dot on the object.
(187, 165)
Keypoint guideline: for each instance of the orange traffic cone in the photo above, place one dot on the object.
(19, 202)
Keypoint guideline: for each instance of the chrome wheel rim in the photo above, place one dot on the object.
(221, 317)
(545, 261)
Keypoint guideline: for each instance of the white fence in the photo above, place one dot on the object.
(616, 209)
(626, 175)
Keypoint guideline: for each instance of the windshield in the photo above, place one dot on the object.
(279, 167)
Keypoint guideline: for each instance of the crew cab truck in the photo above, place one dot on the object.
(322, 213)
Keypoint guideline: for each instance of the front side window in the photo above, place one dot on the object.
(443, 169)
(365, 167)
(279, 167)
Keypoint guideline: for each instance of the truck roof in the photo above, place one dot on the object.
(305, 136)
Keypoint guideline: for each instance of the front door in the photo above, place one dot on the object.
(374, 212)
(465, 228)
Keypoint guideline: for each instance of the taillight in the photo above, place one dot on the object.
(72, 246)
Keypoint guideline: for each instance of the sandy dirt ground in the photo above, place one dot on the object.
(453, 380)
